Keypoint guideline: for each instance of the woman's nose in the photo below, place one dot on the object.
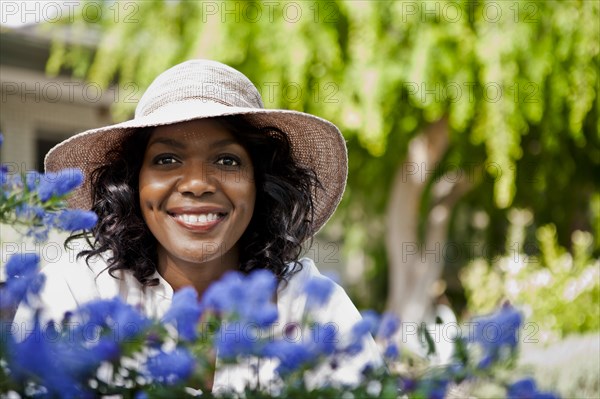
(197, 179)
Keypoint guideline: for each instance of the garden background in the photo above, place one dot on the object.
(472, 132)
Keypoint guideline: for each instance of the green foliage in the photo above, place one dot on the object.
(554, 283)
(518, 82)
(494, 70)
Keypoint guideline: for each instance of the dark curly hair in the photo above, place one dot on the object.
(280, 224)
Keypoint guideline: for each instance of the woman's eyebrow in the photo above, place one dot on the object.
(178, 144)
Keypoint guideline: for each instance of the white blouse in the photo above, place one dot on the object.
(70, 282)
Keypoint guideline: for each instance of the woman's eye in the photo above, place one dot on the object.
(228, 161)
(164, 160)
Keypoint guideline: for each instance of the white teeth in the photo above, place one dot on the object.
(201, 219)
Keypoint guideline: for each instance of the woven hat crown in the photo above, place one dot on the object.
(205, 80)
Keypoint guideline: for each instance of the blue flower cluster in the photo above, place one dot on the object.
(248, 298)
(61, 360)
(318, 291)
(245, 304)
(171, 367)
(184, 313)
(107, 347)
(497, 334)
(527, 388)
(58, 184)
(48, 366)
(35, 197)
(22, 280)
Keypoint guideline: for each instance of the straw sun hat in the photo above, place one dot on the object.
(199, 89)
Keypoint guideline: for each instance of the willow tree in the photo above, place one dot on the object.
(453, 111)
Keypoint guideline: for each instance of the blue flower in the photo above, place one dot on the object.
(354, 347)
(247, 298)
(389, 325)
(318, 290)
(26, 211)
(407, 384)
(1, 139)
(292, 355)
(171, 367)
(185, 311)
(22, 279)
(263, 315)
(39, 222)
(499, 328)
(3, 177)
(11, 181)
(124, 320)
(237, 338)
(107, 349)
(324, 338)
(127, 321)
(32, 179)
(81, 358)
(295, 355)
(38, 357)
(261, 283)
(17, 290)
(96, 313)
(391, 351)
(22, 264)
(527, 389)
(436, 388)
(59, 184)
(257, 305)
(77, 219)
(495, 332)
(368, 324)
(223, 295)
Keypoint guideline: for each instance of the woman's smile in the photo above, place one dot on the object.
(198, 219)
(197, 191)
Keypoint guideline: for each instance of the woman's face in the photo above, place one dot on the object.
(197, 190)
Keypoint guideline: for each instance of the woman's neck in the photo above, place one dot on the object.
(180, 273)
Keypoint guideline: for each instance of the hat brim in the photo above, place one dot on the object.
(315, 142)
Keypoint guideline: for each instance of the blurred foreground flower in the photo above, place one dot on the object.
(58, 184)
(171, 367)
(527, 388)
(22, 280)
(497, 334)
(185, 313)
(247, 298)
(34, 201)
(318, 291)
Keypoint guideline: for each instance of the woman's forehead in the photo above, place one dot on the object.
(192, 131)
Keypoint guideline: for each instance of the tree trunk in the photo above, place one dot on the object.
(415, 266)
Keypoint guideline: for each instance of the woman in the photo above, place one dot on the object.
(202, 181)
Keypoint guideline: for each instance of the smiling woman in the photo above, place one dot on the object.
(203, 181)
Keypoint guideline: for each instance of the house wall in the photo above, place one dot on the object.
(32, 107)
